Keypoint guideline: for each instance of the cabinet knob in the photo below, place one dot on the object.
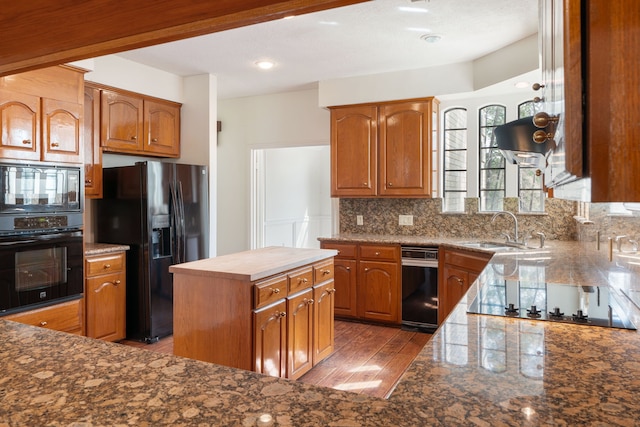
(276, 290)
(377, 253)
(540, 136)
(282, 314)
(537, 86)
(133, 138)
(154, 139)
(26, 141)
(43, 323)
(88, 181)
(366, 269)
(542, 119)
(325, 272)
(365, 184)
(348, 268)
(117, 282)
(55, 144)
(538, 99)
(331, 290)
(302, 280)
(460, 281)
(310, 301)
(107, 266)
(390, 184)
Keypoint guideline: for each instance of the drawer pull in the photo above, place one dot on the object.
(310, 301)
(377, 253)
(348, 268)
(154, 139)
(302, 280)
(133, 138)
(43, 323)
(26, 141)
(55, 144)
(117, 282)
(331, 290)
(325, 272)
(281, 314)
(107, 266)
(276, 291)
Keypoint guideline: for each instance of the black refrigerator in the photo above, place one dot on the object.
(161, 210)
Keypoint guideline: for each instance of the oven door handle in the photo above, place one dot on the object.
(18, 242)
(410, 262)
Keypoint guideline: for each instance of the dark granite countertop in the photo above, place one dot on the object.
(476, 370)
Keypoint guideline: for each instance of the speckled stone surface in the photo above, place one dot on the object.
(103, 248)
(476, 370)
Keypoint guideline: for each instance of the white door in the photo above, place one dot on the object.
(291, 203)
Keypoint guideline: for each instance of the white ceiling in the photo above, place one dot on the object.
(367, 38)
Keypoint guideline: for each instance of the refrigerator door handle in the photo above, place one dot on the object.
(175, 218)
(182, 226)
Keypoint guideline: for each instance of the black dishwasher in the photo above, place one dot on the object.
(420, 288)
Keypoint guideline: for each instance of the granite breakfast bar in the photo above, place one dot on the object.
(476, 370)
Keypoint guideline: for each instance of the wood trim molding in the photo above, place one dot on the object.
(41, 33)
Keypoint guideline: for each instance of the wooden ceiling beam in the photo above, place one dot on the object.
(41, 33)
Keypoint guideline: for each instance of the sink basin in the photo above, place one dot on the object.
(496, 246)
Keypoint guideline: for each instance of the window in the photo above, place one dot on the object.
(455, 160)
(492, 163)
(530, 192)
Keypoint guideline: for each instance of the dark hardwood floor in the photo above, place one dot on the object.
(368, 359)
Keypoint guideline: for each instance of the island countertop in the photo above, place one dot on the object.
(476, 370)
(254, 264)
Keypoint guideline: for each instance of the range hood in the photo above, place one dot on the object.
(515, 142)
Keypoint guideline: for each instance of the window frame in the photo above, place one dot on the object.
(446, 191)
(491, 152)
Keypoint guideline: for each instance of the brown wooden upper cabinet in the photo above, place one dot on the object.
(92, 151)
(384, 149)
(41, 115)
(140, 125)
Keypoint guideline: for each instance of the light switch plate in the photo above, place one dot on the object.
(359, 220)
(405, 220)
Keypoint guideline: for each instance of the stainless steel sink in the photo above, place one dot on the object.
(496, 246)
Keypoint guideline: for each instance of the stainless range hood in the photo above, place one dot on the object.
(515, 142)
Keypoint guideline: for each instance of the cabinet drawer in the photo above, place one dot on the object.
(322, 272)
(468, 260)
(103, 264)
(345, 250)
(300, 279)
(379, 253)
(66, 317)
(270, 290)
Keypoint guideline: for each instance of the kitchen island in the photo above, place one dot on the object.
(476, 370)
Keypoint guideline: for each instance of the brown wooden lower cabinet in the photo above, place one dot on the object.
(458, 270)
(367, 281)
(279, 326)
(66, 317)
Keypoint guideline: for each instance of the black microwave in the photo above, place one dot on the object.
(35, 198)
(40, 269)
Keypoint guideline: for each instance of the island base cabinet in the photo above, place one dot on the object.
(270, 340)
(300, 311)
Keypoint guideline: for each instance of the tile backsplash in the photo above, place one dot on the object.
(381, 216)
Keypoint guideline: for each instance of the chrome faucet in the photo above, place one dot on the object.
(515, 222)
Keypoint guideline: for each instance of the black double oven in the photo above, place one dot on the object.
(41, 249)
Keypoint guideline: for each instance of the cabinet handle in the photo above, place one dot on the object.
(88, 181)
(366, 269)
(26, 141)
(133, 138)
(302, 280)
(390, 184)
(331, 290)
(276, 291)
(55, 144)
(154, 139)
(43, 323)
(377, 253)
(107, 266)
(117, 282)
(281, 314)
(537, 86)
(311, 301)
(325, 272)
(365, 184)
(459, 280)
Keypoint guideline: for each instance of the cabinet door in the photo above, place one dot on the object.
(323, 321)
(405, 149)
(345, 285)
(121, 121)
(91, 142)
(61, 131)
(270, 340)
(106, 304)
(162, 128)
(20, 126)
(455, 285)
(300, 334)
(378, 291)
(354, 141)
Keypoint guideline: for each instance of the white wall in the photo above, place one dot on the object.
(281, 120)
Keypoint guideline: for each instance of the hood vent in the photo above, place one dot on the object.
(515, 142)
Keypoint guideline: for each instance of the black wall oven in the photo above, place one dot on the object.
(41, 249)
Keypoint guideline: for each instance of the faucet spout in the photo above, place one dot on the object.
(515, 222)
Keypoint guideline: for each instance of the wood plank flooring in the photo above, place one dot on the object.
(368, 359)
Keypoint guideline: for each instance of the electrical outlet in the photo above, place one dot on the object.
(405, 220)
(359, 220)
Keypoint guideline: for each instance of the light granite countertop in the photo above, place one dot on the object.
(91, 249)
(476, 370)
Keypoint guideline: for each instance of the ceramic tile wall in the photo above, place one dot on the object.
(381, 217)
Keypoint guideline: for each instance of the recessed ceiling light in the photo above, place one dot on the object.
(419, 30)
(413, 9)
(431, 38)
(522, 85)
(265, 65)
